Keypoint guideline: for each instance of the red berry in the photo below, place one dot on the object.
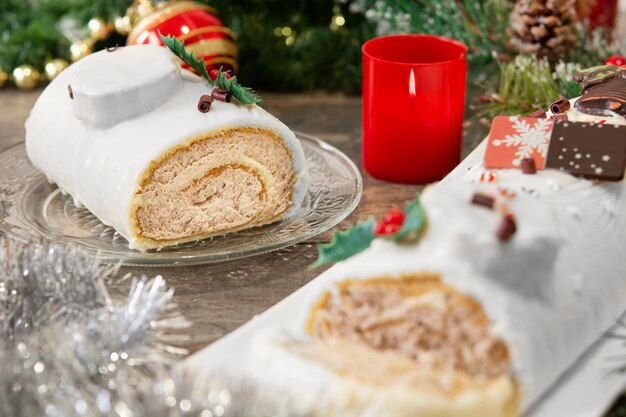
(615, 60)
(386, 229)
(213, 74)
(395, 217)
(228, 75)
(379, 230)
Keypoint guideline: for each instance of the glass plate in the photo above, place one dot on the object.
(32, 207)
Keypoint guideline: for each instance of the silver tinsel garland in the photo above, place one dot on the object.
(71, 347)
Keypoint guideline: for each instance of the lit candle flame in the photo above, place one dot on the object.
(412, 84)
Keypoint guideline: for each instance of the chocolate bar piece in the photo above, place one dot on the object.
(591, 77)
(605, 99)
(589, 150)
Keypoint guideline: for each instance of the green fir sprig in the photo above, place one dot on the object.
(526, 84)
(245, 95)
(359, 237)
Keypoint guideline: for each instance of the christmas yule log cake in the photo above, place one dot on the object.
(160, 155)
(475, 299)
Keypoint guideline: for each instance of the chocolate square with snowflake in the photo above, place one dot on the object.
(590, 150)
(512, 139)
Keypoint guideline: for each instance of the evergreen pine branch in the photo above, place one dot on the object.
(527, 84)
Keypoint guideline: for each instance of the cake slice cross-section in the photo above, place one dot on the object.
(121, 132)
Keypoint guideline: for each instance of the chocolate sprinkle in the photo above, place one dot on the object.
(112, 48)
(484, 200)
(204, 104)
(528, 166)
(221, 95)
(507, 228)
(538, 114)
(560, 106)
(69, 90)
(562, 116)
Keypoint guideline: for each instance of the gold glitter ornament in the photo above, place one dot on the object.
(98, 28)
(54, 68)
(80, 49)
(26, 77)
(3, 77)
(122, 25)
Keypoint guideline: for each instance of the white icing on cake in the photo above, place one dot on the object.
(550, 292)
(103, 98)
(100, 166)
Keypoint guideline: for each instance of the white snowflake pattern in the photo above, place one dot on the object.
(528, 139)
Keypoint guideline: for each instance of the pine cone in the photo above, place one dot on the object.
(546, 28)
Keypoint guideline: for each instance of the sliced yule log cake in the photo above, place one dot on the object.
(475, 299)
(160, 155)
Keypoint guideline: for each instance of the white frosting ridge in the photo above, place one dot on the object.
(100, 167)
(550, 292)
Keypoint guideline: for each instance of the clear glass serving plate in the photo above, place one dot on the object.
(31, 207)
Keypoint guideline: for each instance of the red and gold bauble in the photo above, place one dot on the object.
(197, 25)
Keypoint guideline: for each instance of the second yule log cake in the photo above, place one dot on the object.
(514, 270)
(153, 151)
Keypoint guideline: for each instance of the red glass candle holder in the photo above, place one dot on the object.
(413, 106)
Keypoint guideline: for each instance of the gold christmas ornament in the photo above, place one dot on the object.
(26, 77)
(98, 28)
(80, 49)
(54, 68)
(122, 25)
(3, 77)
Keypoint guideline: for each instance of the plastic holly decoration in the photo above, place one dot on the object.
(222, 79)
(213, 74)
(403, 226)
(616, 60)
(391, 224)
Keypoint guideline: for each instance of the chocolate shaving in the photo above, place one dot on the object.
(221, 95)
(204, 104)
(483, 200)
(538, 114)
(562, 116)
(560, 106)
(69, 90)
(112, 48)
(528, 166)
(507, 228)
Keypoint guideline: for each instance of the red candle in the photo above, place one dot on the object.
(413, 105)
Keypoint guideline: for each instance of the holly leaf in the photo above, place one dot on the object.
(346, 244)
(178, 48)
(246, 95)
(414, 221)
